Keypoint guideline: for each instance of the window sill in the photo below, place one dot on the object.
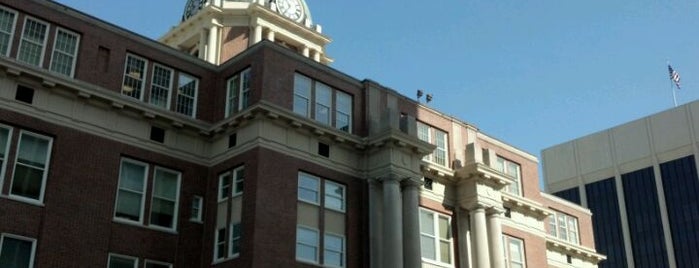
(25, 200)
(196, 221)
(219, 261)
(436, 263)
(139, 224)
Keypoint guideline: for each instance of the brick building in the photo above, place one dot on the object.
(230, 142)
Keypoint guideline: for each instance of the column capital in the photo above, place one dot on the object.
(412, 183)
(390, 179)
(496, 211)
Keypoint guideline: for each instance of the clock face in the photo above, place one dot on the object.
(291, 9)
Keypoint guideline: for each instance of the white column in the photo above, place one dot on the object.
(270, 35)
(212, 46)
(392, 228)
(411, 224)
(463, 229)
(316, 55)
(305, 51)
(479, 237)
(257, 35)
(202, 44)
(497, 258)
(375, 223)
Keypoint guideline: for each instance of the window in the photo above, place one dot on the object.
(31, 167)
(435, 237)
(237, 177)
(17, 251)
(564, 226)
(157, 264)
(238, 93)
(437, 137)
(514, 252)
(197, 207)
(511, 169)
(307, 244)
(120, 261)
(235, 239)
(132, 192)
(161, 84)
(310, 234)
(8, 19)
(134, 77)
(220, 247)
(65, 51)
(166, 185)
(5, 137)
(187, 95)
(31, 46)
(230, 195)
(24, 94)
(314, 100)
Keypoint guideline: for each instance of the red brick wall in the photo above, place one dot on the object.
(234, 40)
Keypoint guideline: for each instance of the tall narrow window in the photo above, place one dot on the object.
(334, 250)
(166, 185)
(65, 51)
(187, 95)
(31, 47)
(239, 177)
(437, 137)
(238, 93)
(334, 196)
(134, 76)
(511, 169)
(235, 239)
(514, 252)
(5, 133)
(8, 19)
(31, 166)
(161, 86)
(197, 207)
(323, 101)
(435, 237)
(564, 226)
(308, 188)
(302, 95)
(120, 261)
(220, 247)
(17, 251)
(307, 244)
(229, 216)
(131, 194)
(343, 111)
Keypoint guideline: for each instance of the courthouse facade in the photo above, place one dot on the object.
(230, 142)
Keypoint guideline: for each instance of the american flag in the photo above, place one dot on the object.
(674, 76)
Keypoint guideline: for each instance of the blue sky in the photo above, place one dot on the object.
(531, 73)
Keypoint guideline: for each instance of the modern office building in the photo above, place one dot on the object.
(640, 181)
(230, 142)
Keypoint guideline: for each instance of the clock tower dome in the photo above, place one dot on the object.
(217, 30)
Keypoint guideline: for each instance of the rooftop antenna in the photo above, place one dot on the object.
(419, 94)
(428, 98)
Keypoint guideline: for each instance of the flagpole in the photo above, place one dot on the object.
(674, 96)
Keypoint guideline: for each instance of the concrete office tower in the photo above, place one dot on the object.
(231, 143)
(640, 181)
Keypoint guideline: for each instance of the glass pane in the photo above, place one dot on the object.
(33, 150)
(224, 186)
(333, 189)
(306, 236)
(423, 132)
(515, 251)
(302, 86)
(444, 232)
(426, 222)
(308, 189)
(128, 206)
(344, 102)
(165, 184)
(27, 182)
(428, 247)
(342, 122)
(15, 253)
(119, 262)
(132, 176)
(333, 258)
(162, 213)
(306, 252)
(333, 243)
(4, 135)
(323, 94)
(444, 252)
(322, 114)
(239, 179)
(301, 106)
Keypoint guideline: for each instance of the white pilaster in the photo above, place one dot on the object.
(392, 225)
(212, 45)
(463, 229)
(411, 224)
(497, 258)
(270, 35)
(479, 238)
(316, 55)
(305, 51)
(202, 44)
(257, 34)
(375, 223)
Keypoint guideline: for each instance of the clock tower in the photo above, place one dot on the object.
(217, 30)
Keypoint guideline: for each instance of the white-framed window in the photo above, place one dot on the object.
(334, 250)
(196, 214)
(134, 76)
(17, 251)
(564, 227)
(131, 192)
(33, 42)
(122, 261)
(309, 188)
(8, 21)
(436, 240)
(238, 92)
(31, 167)
(166, 191)
(514, 252)
(5, 138)
(65, 52)
(234, 246)
(343, 111)
(513, 170)
(313, 99)
(187, 95)
(437, 137)
(334, 196)
(220, 246)
(230, 184)
(307, 244)
(157, 264)
(161, 86)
